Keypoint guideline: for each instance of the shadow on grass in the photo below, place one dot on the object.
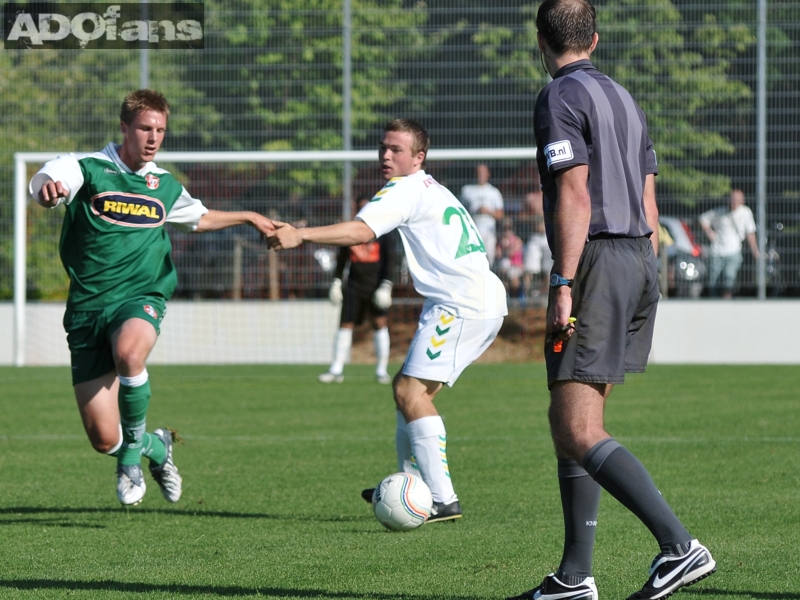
(28, 510)
(211, 590)
(747, 594)
(50, 522)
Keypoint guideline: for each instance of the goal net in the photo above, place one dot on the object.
(236, 301)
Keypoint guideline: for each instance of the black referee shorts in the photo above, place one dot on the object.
(614, 299)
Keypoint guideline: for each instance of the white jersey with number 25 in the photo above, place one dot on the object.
(445, 253)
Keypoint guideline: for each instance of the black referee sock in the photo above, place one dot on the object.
(624, 477)
(580, 499)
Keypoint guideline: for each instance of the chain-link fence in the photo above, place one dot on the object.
(273, 77)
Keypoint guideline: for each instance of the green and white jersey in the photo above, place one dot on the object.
(445, 253)
(113, 241)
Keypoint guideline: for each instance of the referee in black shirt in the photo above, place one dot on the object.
(598, 167)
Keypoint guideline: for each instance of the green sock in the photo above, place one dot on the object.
(154, 449)
(133, 403)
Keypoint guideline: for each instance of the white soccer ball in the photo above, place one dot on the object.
(402, 502)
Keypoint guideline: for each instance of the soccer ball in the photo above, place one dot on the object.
(402, 502)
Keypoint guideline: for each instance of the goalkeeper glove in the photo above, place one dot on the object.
(382, 298)
(335, 293)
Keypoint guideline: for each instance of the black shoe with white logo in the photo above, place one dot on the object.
(553, 589)
(367, 494)
(444, 512)
(670, 573)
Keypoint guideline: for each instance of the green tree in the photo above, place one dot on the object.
(281, 69)
(679, 76)
(69, 101)
(783, 93)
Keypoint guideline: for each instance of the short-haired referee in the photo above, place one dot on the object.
(598, 167)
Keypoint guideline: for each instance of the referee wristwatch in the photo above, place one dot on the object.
(557, 280)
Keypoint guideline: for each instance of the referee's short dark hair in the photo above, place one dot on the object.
(567, 25)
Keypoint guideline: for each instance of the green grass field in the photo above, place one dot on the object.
(273, 463)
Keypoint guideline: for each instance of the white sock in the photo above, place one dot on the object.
(405, 460)
(341, 350)
(429, 447)
(381, 338)
(118, 445)
(134, 381)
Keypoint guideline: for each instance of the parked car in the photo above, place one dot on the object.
(686, 270)
(782, 257)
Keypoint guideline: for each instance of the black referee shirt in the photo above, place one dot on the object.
(583, 117)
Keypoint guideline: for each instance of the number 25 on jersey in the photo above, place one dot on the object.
(467, 230)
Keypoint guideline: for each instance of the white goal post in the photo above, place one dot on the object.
(21, 196)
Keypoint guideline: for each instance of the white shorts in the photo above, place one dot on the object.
(445, 344)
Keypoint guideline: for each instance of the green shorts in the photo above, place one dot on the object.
(89, 333)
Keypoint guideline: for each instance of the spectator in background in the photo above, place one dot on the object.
(510, 251)
(368, 291)
(485, 202)
(538, 259)
(727, 228)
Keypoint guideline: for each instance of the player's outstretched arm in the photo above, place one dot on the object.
(349, 233)
(214, 220)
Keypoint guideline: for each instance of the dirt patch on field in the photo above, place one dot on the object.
(521, 338)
